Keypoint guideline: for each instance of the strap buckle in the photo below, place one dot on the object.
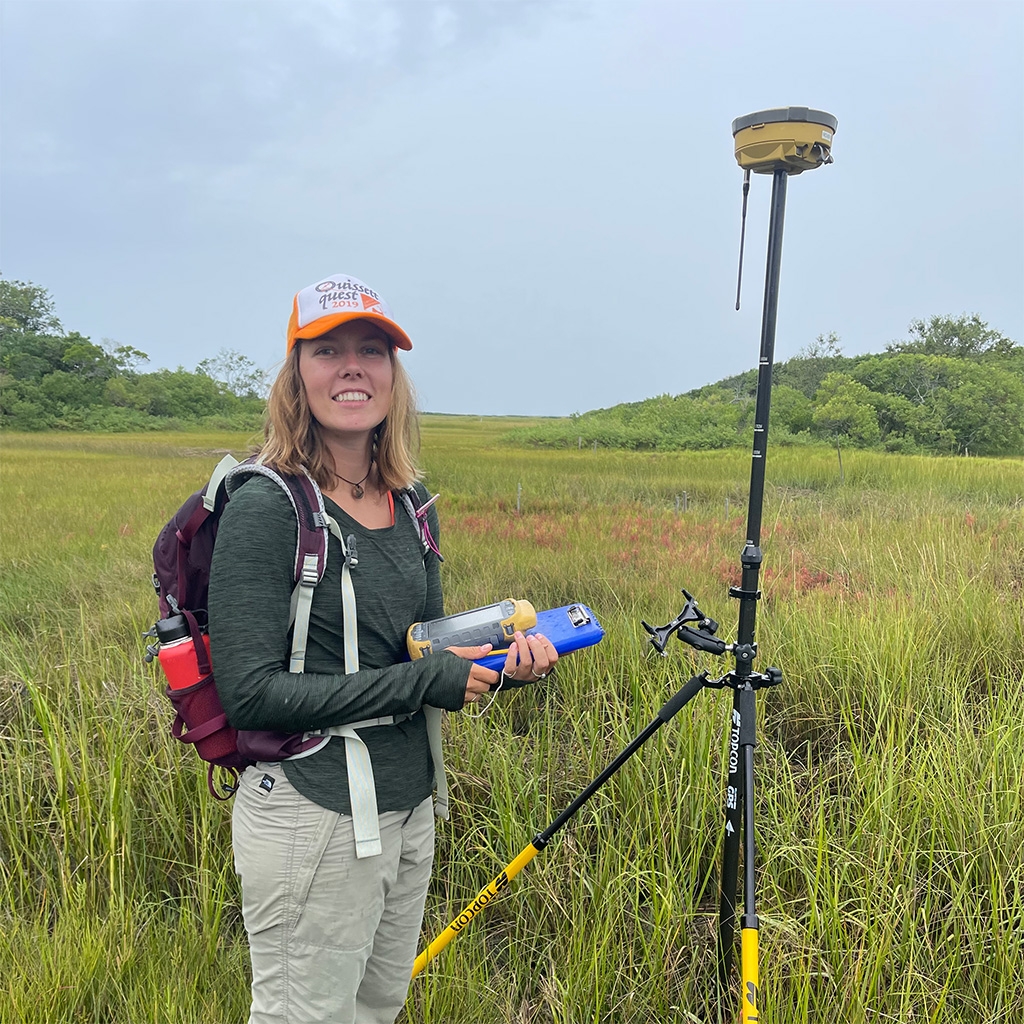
(310, 575)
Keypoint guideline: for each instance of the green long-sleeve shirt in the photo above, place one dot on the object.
(251, 581)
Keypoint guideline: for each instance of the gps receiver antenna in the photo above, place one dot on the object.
(743, 233)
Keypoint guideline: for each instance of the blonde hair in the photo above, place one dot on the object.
(293, 439)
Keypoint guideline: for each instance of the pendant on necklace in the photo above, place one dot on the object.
(357, 485)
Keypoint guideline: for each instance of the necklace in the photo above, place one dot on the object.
(357, 488)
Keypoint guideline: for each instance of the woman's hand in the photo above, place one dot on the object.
(530, 658)
(480, 679)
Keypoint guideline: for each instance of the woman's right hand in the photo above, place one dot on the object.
(480, 679)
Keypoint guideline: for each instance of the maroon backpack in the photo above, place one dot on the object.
(181, 563)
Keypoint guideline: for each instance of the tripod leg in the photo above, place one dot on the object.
(666, 713)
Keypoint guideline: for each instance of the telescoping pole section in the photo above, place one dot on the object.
(739, 799)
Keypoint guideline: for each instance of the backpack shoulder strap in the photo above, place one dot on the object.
(174, 544)
(310, 562)
(207, 503)
(220, 471)
(418, 505)
(308, 504)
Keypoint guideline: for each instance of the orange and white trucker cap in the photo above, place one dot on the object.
(336, 300)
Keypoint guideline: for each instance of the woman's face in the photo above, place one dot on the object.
(348, 376)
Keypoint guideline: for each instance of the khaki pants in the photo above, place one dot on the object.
(331, 938)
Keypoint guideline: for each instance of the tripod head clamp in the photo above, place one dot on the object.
(703, 637)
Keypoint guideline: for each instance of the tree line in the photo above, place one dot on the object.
(954, 386)
(54, 379)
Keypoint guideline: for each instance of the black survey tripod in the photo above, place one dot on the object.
(780, 142)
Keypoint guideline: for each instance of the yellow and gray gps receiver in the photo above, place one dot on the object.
(494, 624)
(793, 139)
(790, 139)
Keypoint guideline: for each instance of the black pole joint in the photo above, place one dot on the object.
(751, 555)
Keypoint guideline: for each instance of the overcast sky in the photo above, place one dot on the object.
(545, 192)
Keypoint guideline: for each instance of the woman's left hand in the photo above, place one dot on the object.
(529, 658)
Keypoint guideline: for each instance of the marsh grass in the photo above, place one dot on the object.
(890, 774)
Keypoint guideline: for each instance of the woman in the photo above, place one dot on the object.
(332, 925)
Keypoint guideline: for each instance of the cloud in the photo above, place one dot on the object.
(531, 185)
(187, 85)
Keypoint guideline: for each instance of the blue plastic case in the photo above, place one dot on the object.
(568, 628)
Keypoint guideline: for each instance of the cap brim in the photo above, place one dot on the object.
(323, 324)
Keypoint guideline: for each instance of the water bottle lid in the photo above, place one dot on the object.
(174, 628)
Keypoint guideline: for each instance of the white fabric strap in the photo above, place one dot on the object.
(369, 723)
(433, 716)
(341, 730)
(348, 600)
(348, 604)
(219, 472)
(361, 788)
(302, 602)
(362, 793)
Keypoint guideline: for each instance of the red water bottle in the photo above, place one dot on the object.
(177, 652)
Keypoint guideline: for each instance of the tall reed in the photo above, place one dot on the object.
(889, 808)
